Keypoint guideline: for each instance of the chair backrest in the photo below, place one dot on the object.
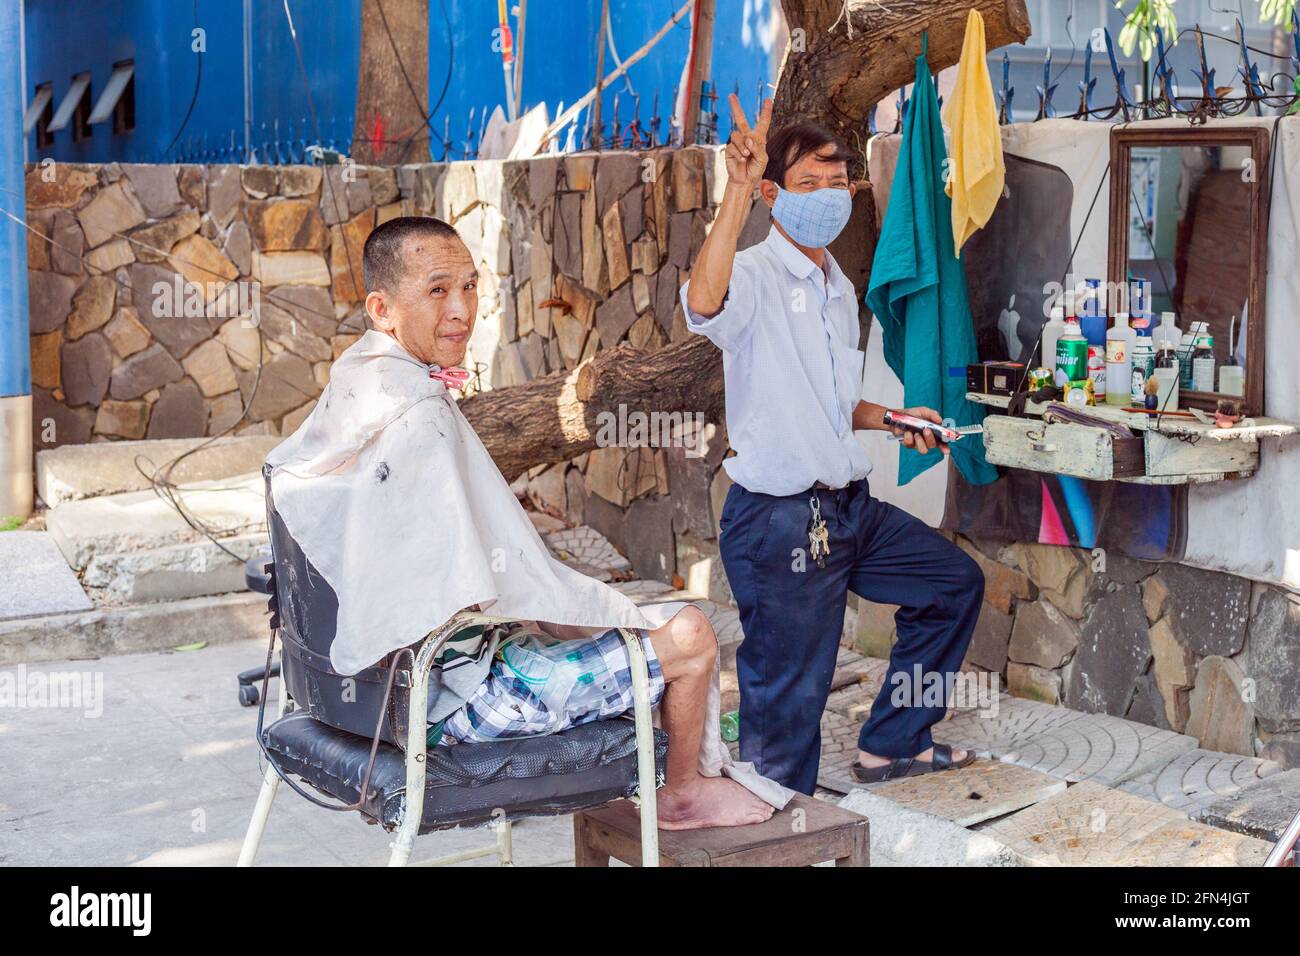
(308, 611)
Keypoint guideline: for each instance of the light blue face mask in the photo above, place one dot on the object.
(814, 219)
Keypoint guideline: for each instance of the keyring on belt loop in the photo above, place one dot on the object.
(816, 504)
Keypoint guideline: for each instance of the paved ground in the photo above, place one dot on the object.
(168, 772)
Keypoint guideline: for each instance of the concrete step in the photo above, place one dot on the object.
(174, 572)
(71, 472)
(142, 521)
(36, 578)
(133, 630)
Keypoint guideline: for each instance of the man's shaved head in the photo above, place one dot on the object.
(422, 288)
(382, 264)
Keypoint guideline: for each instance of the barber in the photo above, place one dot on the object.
(800, 529)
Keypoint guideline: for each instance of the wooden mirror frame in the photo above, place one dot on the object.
(1122, 141)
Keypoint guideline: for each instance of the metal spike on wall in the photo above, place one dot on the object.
(1088, 84)
(1007, 92)
(1204, 74)
(1165, 75)
(1125, 104)
(1249, 72)
(1045, 108)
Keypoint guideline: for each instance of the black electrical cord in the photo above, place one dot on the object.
(194, 98)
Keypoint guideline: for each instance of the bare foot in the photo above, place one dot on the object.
(710, 802)
(925, 756)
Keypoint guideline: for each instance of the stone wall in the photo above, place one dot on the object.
(1210, 655)
(576, 253)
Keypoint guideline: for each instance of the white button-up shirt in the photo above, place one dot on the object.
(793, 370)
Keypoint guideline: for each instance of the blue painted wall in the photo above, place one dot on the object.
(66, 37)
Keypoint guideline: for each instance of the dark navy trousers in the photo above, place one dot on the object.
(792, 613)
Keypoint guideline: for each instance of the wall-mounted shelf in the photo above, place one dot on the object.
(1166, 451)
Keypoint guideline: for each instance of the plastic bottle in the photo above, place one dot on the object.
(1203, 364)
(1232, 377)
(1166, 373)
(1144, 354)
(729, 726)
(1120, 340)
(1166, 331)
(1186, 346)
(1092, 316)
(1071, 356)
(1052, 333)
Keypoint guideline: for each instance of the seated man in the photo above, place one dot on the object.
(396, 503)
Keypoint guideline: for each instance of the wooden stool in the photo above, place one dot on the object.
(807, 831)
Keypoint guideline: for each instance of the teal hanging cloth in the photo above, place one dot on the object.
(918, 289)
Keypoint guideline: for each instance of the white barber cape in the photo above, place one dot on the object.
(395, 501)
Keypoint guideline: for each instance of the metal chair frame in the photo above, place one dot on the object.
(410, 817)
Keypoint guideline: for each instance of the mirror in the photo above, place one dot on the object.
(1189, 223)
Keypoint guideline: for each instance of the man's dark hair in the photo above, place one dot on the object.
(382, 264)
(789, 144)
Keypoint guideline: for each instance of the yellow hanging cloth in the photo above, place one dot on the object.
(976, 170)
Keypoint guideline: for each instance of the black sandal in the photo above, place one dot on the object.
(911, 767)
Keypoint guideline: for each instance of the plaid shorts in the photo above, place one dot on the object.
(506, 705)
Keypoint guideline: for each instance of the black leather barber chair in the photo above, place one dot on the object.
(359, 741)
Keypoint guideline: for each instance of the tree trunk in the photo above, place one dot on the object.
(832, 78)
(392, 83)
(555, 418)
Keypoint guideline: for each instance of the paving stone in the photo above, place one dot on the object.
(55, 425)
(290, 268)
(92, 306)
(238, 247)
(113, 210)
(126, 334)
(110, 257)
(287, 381)
(1220, 714)
(981, 791)
(1042, 635)
(1274, 660)
(1195, 844)
(140, 520)
(1208, 610)
(87, 366)
(1096, 747)
(1003, 585)
(1174, 669)
(177, 326)
(209, 366)
(180, 412)
(67, 243)
(309, 305)
(1113, 654)
(1191, 782)
(49, 299)
(283, 225)
(122, 419)
(224, 192)
(1087, 825)
(65, 189)
(301, 180)
(1034, 683)
(260, 181)
(999, 732)
(901, 836)
(1261, 810)
(583, 546)
(37, 579)
(615, 316)
(1061, 574)
(154, 242)
(650, 544)
(155, 187)
(143, 372)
